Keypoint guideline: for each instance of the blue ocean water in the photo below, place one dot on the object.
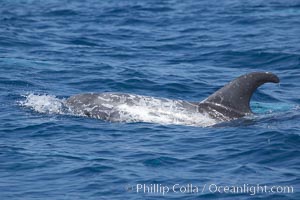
(174, 49)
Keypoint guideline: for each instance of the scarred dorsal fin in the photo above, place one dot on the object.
(236, 95)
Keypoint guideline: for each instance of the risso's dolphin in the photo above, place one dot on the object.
(228, 103)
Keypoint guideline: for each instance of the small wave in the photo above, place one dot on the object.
(265, 108)
(44, 103)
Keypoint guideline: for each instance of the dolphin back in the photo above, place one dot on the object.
(235, 96)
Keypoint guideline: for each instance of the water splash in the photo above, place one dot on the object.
(44, 103)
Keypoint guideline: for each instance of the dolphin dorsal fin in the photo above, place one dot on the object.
(236, 95)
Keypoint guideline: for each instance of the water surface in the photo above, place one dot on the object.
(170, 49)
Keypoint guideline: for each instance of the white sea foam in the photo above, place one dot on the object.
(43, 103)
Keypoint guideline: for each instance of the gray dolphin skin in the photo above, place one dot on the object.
(228, 103)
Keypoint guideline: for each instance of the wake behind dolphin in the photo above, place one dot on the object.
(228, 103)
